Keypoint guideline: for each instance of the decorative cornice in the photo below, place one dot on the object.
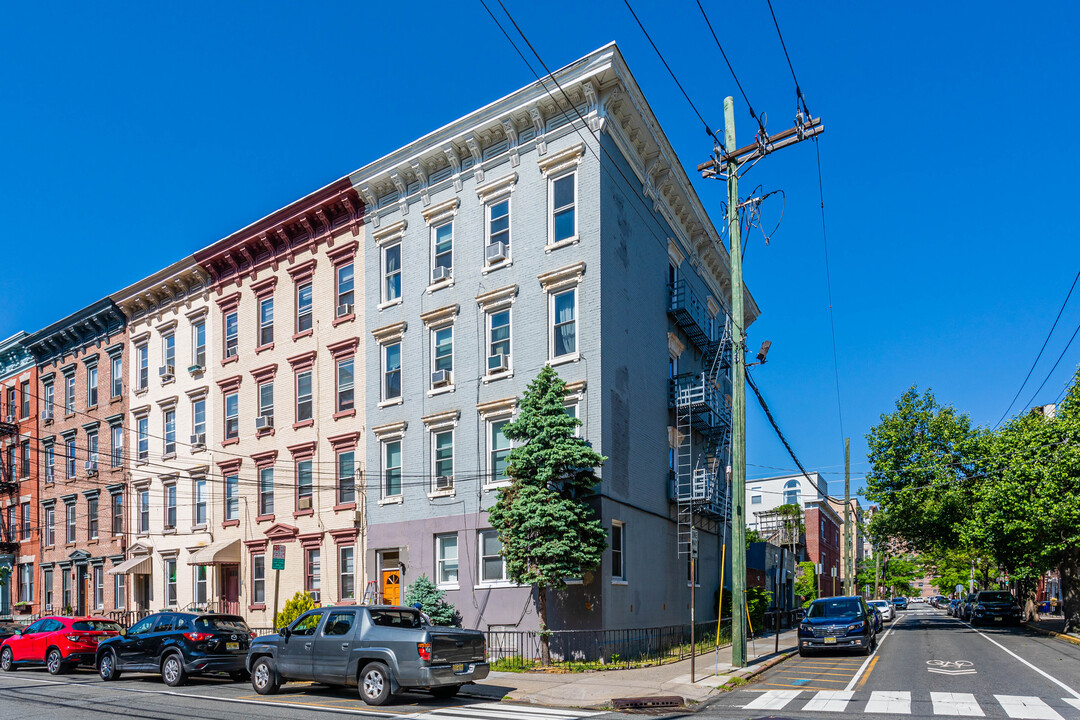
(265, 373)
(303, 361)
(389, 333)
(343, 253)
(230, 384)
(497, 407)
(228, 303)
(230, 466)
(498, 298)
(302, 451)
(264, 459)
(345, 441)
(343, 348)
(441, 419)
(95, 324)
(440, 317)
(443, 211)
(576, 388)
(562, 160)
(497, 188)
(390, 431)
(562, 278)
(264, 287)
(302, 272)
(390, 233)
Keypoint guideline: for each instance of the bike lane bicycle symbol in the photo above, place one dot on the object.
(951, 667)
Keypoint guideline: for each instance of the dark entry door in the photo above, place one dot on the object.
(80, 589)
(230, 589)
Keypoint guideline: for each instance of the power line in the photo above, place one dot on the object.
(828, 285)
(798, 89)
(738, 84)
(1047, 340)
(1056, 363)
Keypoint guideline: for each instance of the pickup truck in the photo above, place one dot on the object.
(381, 649)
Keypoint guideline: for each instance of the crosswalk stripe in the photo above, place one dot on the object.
(1073, 701)
(829, 701)
(957, 704)
(772, 700)
(1029, 708)
(494, 711)
(891, 702)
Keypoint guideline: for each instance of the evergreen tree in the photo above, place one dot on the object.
(432, 602)
(296, 606)
(548, 531)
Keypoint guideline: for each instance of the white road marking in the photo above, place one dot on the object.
(829, 701)
(890, 702)
(504, 712)
(1073, 701)
(772, 700)
(862, 668)
(1030, 708)
(1045, 674)
(957, 704)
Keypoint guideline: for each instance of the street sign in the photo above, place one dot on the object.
(278, 562)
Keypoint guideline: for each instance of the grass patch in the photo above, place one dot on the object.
(733, 683)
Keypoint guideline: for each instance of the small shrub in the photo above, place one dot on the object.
(297, 605)
(432, 602)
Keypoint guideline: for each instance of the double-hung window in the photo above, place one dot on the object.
(116, 375)
(347, 572)
(69, 524)
(117, 514)
(344, 289)
(69, 394)
(50, 406)
(391, 371)
(564, 323)
(232, 497)
(304, 486)
(304, 406)
(563, 193)
(498, 225)
(70, 459)
(91, 386)
(346, 477)
(232, 416)
(144, 438)
(498, 340)
(442, 459)
(26, 459)
(170, 583)
(92, 450)
(120, 591)
(266, 399)
(144, 512)
(116, 433)
(24, 396)
(442, 251)
(92, 518)
(618, 559)
(199, 514)
(258, 578)
(26, 521)
(168, 351)
(266, 491)
(232, 334)
(492, 565)
(50, 464)
(198, 417)
(99, 587)
(200, 581)
(170, 506)
(391, 469)
(142, 366)
(391, 259)
(303, 307)
(198, 344)
(498, 451)
(266, 321)
(50, 526)
(313, 570)
(170, 432)
(446, 560)
(442, 353)
(345, 385)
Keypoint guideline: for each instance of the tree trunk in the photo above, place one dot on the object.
(541, 614)
(1070, 591)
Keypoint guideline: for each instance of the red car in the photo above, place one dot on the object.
(58, 643)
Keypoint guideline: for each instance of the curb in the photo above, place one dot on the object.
(1051, 634)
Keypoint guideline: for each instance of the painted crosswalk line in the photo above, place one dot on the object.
(772, 700)
(502, 711)
(829, 701)
(1029, 708)
(891, 702)
(956, 704)
(1073, 701)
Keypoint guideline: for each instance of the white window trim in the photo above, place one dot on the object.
(432, 432)
(489, 420)
(576, 237)
(620, 579)
(509, 372)
(569, 357)
(385, 302)
(491, 200)
(383, 372)
(433, 230)
(385, 499)
(432, 333)
(438, 559)
(480, 582)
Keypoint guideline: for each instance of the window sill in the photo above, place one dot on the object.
(139, 392)
(343, 319)
(169, 531)
(197, 450)
(169, 456)
(138, 463)
(264, 348)
(198, 528)
(231, 441)
(171, 379)
(115, 399)
(563, 360)
(440, 284)
(501, 375)
(303, 513)
(92, 541)
(495, 585)
(230, 523)
(263, 432)
(94, 406)
(345, 506)
(388, 304)
(264, 518)
(345, 414)
(257, 606)
(489, 487)
(562, 243)
(442, 493)
(622, 582)
(496, 266)
(303, 424)
(395, 500)
(394, 401)
(440, 391)
(230, 359)
(449, 587)
(302, 334)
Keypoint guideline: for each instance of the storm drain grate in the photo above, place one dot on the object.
(647, 702)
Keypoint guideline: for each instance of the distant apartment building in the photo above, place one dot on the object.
(858, 537)
(82, 407)
(765, 495)
(19, 481)
(823, 541)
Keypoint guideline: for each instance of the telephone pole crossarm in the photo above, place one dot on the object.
(749, 153)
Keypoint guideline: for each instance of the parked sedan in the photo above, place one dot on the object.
(58, 643)
(963, 610)
(900, 603)
(177, 645)
(953, 607)
(839, 622)
(994, 606)
(883, 607)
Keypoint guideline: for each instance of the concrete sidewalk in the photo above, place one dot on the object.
(597, 689)
(1053, 626)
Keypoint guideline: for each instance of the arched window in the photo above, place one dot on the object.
(791, 492)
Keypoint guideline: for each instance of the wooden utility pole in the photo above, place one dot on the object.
(849, 578)
(725, 165)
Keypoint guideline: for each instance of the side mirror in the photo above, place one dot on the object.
(285, 632)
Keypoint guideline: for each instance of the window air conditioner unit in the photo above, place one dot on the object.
(230, 352)
(498, 362)
(91, 467)
(9, 418)
(440, 273)
(198, 440)
(195, 369)
(358, 516)
(496, 252)
(344, 309)
(315, 595)
(303, 503)
(444, 482)
(264, 421)
(166, 372)
(440, 378)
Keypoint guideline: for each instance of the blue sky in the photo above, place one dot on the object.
(136, 134)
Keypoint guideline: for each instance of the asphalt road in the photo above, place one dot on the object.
(33, 693)
(926, 665)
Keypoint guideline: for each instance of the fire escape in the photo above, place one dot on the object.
(9, 486)
(702, 406)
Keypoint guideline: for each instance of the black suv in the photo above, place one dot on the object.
(994, 606)
(178, 644)
(839, 623)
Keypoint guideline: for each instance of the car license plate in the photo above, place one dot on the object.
(458, 667)
(232, 646)
(997, 618)
(830, 641)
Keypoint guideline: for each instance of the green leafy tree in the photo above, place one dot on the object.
(899, 574)
(806, 585)
(432, 601)
(791, 520)
(753, 536)
(296, 606)
(548, 531)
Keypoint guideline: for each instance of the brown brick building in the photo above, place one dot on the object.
(823, 546)
(82, 459)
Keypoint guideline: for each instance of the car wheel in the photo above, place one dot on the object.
(172, 671)
(239, 676)
(375, 684)
(7, 661)
(446, 691)
(264, 677)
(55, 662)
(107, 667)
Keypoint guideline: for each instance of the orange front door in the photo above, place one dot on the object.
(391, 586)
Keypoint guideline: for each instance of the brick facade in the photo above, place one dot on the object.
(823, 540)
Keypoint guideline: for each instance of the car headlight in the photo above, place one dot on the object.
(805, 627)
(856, 626)
(980, 608)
